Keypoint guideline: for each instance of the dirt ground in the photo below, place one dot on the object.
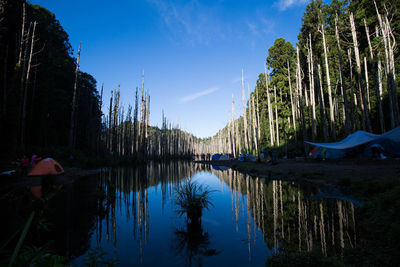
(330, 171)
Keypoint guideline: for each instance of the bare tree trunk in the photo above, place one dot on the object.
(367, 83)
(250, 121)
(312, 91)
(23, 40)
(352, 108)
(291, 101)
(233, 129)
(270, 115)
(331, 111)
(110, 123)
(74, 105)
(246, 140)
(360, 82)
(258, 119)
(342, 81)
(115, 124)
(322, 104)
(135, 123)
(276, 117)
(238, 138)
(299, 89)
(25, 99)
(254, 125)
(376, 82)
(392, 46)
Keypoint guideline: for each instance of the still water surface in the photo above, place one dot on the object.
(131, 214)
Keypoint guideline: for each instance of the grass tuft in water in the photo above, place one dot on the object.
(191, 199)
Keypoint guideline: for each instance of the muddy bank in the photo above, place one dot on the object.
(329, 171)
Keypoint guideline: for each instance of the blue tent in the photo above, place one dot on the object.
(361, 143)
(216, 156)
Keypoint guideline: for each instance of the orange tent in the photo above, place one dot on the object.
(45, 167)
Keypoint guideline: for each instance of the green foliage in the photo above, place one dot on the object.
(21, 239)
(96, 257)
(50, 87)
(191, 199)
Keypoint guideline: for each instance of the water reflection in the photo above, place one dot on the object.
(193, 243)
(130, 213)
(128, 188)
(288, 215)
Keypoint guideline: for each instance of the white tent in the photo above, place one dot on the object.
(359, 138)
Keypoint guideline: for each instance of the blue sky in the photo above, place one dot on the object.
(192, 52)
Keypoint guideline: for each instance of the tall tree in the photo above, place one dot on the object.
(74, 106)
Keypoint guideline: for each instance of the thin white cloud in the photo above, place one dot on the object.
(239, 79)
(188, 21)
(197, 95)
(285, 4)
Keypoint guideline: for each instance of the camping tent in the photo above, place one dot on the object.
(247, 157)
(216, 156)
(45, 167)
(224, 157)
(360, 142)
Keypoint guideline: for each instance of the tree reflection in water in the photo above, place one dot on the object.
(193, 243)
(128, 188)
(291, 216)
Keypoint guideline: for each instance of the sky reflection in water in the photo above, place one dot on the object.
(139, 225)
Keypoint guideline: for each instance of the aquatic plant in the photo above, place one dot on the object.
(97, 257)
(191, 199)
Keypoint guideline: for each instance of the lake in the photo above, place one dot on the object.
(129, 214)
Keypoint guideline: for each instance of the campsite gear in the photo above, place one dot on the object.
(45, 167)
(8, 172)
(216, 156)
(224, 157)
(35, 159)
(359, 144)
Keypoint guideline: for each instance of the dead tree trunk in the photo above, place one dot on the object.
(270, 115)
(254, 125)
(367, 83)
(390, 67)
(258, 119)
(366, 119)
(312, 90)
(321, 102)
(115, 124)
(331, 108)
(23, 39)
(276, 117)
(291, 101)
(376, 82)
(25, 99)
(342, 81)
(233, 129)
(74, 105)
(352, 104)
(246, 140)
(109, 135)
(299, 89)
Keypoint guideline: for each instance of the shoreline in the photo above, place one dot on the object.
(340, 173)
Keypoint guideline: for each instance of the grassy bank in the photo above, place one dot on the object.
(375, 183)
